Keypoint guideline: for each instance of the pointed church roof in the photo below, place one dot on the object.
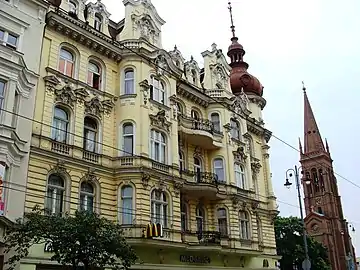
(312, 138)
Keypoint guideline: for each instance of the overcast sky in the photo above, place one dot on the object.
(317, 41)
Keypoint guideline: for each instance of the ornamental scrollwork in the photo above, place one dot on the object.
(90, 176)
(59, 168)
(145, 180)
(159, 120)
(94, 107)
(255, 166)
(145, 88)
(239, 155)
(65, 95)
(177, 187)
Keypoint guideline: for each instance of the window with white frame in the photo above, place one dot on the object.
(222, 221)
(181, 161)
(129, 82)
(94, 75)
(215, 120)
(60, 127)
(244, 225)
(240, 178)
(184, 216)
(157, 90)
(159, 207)
(235, 129)
(55, 194)
(128, 139)
(90, 134)
(200, 219)
(66, 62)
(219, 169)
(126, 210)
(2, 95)
(9, 39)
(157, 146)
(86, 197)
(98, 22)
(72, 7)
(197, 169)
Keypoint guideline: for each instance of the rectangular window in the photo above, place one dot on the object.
(8, 39)
(15, 110)
(2, 94)
(3, 179)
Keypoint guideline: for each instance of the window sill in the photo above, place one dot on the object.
(124, 96)
(159, 105)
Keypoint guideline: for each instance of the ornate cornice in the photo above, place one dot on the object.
(255, 127)
(84, 34)
(191, 93)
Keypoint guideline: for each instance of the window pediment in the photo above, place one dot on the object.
(159, 120)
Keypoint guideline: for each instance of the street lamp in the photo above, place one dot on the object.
(289, 173)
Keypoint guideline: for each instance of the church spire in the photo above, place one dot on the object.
(312, 137)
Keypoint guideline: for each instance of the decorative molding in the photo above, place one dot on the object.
(94, 107)
(177, 57)
(59, 168)
(177, 188)
(255, 166)
(65, 95)
(146, 27)
(145, 88)
(159, 120)
(239, 155)
(145, 177)
(240, 104)
(90, 176)
(161, 65)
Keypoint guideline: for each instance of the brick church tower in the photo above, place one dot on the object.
(324, 216)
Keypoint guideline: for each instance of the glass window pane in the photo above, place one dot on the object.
(12, 40)
(2, 34)
(86, 187)
(128, 129)
(2, 88)
(129, 74)
(56, 180)
(128, 145)
(66, 55)
(127, 192)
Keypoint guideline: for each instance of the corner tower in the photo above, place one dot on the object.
(324, 216)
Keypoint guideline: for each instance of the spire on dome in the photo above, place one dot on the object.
(300, 147)
(312, 137)
(232, 27)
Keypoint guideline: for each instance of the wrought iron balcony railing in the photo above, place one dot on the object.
(200, 177)
(209, 237)
(197, 124)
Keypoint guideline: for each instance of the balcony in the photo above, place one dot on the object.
(200, 184)
(200, 132)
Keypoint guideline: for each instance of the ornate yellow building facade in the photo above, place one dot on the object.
(142, 136)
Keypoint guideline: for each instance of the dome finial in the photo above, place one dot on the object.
(232, 27)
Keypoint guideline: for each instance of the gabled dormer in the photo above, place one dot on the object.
(192, 72)
(216, 70)
(142, 22)
(177, 58)
(75, 8)
(97, 16)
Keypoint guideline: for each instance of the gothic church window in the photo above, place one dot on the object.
(316, 180)
(321, 180)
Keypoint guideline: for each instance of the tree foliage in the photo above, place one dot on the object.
(84, 239)
(290, 245)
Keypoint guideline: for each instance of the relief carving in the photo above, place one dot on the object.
(161, 65)
(90, 176)
(219, 75)
(145, 87)
(59, 168)
(177, 57)
(240, 104)
(145, 180)
(255, 166)
(81, 94)
(159, 120)
(65, 95)
(239, 155)
(146, 27)
(94, 107)
(177, 187)
(51, 82)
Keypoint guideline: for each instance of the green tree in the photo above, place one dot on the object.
(290, 245)
(83, 239)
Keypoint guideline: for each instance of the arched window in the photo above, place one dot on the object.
(90, 134)
(200, 219)
(94, 75)
(86, 197)
(265, 263)
(219, 169)
(235, 129)
(98, 22)
(197, 169)
(129, 85)
(159, 207)
(244, 225)
(321, 180)
(240, 176)
(55, 194)
(126, 211)
(195, 115)
(315, 180)
(60, 127)
(194, 76)
(66, 62)
(158, 146)
(179, 108)
(157, 90)
(222, 221)
(181, 161)
(184, 216)
(128, 139)
(215, 120)
(72, 7)
(309, 186)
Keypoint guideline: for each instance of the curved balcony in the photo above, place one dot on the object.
(200, 184)
(200, 132)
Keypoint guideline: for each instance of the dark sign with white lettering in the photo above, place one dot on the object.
(194, 259)
(48, 246)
